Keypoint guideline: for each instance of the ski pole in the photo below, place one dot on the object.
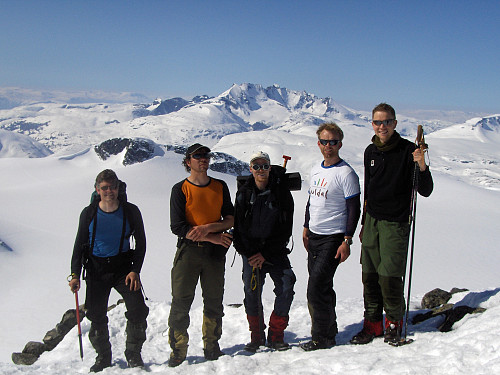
(78, 323)
(412, 246)
(420, 142)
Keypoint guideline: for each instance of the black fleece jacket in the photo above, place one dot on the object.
(389, 181)
(263, 220)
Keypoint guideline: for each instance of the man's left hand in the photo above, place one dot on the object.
(134, 281)
(343, 252)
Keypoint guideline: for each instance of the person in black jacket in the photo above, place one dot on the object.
(263, 226)
(391, 163)
(102, 247)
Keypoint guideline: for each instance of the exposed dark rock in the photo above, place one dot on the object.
(221, 162)
(435, 298)
(55, 335)
(33, 349)
(24, 358)
(137, 150)
(164, 107)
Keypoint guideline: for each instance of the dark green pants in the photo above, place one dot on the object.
(383, 259)
(193, 262)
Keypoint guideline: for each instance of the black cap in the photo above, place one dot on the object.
(193, 148)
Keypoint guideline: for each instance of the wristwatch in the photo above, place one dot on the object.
(348, 241)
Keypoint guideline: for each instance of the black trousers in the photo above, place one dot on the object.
(321, 297)
(97, 296)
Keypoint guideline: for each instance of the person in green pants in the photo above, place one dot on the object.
(389, 163)
(200, 212)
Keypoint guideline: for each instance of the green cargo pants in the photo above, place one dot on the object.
(383, 259)
(195, 261)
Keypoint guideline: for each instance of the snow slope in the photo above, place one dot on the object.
(39, 218)
(41, 198)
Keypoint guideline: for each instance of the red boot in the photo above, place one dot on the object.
(368, 333)
(393, 331)
(277, 325)
(257, 334)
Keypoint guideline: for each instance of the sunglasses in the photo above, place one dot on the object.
(331, 142)
(258, 167)
(108, 187)
(385, 122)
(204, 155)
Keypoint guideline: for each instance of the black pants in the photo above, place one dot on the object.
(321, 297)
(97, 295)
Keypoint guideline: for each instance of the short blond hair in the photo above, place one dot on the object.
(331, 127)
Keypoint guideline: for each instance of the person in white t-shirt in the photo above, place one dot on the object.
(332, 214)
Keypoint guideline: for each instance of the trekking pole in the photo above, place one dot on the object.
(78, 323)
(420, 142)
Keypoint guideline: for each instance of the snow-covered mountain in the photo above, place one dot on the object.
(246, 116)
(64, 125)
(15, 145)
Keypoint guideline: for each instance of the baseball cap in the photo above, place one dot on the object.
(193, 148)
(260, 155)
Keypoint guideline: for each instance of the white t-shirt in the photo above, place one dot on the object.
(328, 191)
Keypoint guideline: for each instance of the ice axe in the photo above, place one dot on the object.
(78, 324)
(286, 160)
(78, 318)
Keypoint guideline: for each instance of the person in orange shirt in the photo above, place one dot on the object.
(200, 212)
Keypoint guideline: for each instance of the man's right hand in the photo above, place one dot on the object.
(74, 285)
(305, 238)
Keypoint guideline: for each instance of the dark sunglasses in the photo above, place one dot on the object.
(331, 142)
(108, 187)
(205, 155)
(258, 167)
(385, 122)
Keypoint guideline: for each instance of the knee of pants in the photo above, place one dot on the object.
(212, 308)
(283, 288)
(137, 314)
(288, 281)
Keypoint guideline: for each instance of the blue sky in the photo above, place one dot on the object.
(414, 55)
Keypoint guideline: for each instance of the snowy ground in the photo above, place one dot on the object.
(40, 200)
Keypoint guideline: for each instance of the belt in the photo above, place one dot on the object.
(196, 243)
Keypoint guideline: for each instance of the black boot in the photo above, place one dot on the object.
(136, 335)
(322, 343)
(99, 338)
(102, 361)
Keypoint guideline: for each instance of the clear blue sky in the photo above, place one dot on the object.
(412, 54)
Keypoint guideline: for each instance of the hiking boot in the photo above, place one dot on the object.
(253, 346)
(175, 360)
(315, 345)
(134, 359)
(362, 337)
(179, 343)
(213, 354)
(392, 332)
(278, 345)
(101, 362)
(368, 333)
